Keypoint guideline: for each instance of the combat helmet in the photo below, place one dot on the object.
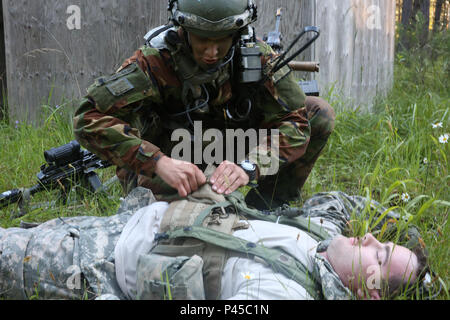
(212, 18)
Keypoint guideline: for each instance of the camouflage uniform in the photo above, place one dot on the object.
(133, 129)
(71, 258)
(49, 261)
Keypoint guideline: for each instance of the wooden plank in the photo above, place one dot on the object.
(323, 51)
(347, 55)
(3, 83)
(371, 10)
(390, 51)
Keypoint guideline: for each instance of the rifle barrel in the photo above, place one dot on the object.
(15, 196)
(10, 197)
(278, 22)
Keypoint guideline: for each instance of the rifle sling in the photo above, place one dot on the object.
(278, 260)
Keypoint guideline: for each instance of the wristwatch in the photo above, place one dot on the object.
(250, 169)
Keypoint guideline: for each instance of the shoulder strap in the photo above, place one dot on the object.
(277, 259)
(314, 230)
(155, 33)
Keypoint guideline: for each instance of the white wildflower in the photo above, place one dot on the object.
(437, 125)
(443, 138)
(247, 275)
(405, 197)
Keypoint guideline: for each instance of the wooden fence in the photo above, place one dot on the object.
(52, 57)
(356, 49)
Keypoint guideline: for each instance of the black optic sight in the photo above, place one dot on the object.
(63, 155)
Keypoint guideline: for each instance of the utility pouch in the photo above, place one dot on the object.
(169, 278)
(250, 62)
(128, 85)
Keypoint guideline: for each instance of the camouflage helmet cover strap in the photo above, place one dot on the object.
(213, 18)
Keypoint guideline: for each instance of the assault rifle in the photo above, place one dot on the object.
(274, 39)
(66, 166)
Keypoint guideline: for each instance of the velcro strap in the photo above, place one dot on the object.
(165, 290)
(181, 214)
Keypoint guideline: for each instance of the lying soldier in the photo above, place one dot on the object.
(207, 246)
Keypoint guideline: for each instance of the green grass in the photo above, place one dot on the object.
(378, 155)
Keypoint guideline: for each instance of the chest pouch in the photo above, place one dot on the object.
(169, 278)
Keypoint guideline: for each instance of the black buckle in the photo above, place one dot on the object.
(161, 236)
(171, 5)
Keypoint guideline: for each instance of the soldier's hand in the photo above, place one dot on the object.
(183, 176)
(228, 177)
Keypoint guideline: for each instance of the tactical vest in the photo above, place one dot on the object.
(203, 226)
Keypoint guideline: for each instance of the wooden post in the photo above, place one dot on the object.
(3, 82)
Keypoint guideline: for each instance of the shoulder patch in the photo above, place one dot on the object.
(120, 87)
(265, 49)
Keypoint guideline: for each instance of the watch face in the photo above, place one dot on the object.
(248, 166)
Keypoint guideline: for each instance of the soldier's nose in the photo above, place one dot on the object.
(369, 239)
(212, 51)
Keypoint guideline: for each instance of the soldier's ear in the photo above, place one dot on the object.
(370, 294)
(374, 295)
(360, 294)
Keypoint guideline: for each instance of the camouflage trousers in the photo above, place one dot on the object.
(273, 191)
(277, 189)
(66, 258)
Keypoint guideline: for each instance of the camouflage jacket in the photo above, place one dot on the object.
(73, 258)
(128, 118)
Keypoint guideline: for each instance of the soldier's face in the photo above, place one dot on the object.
(363, 263)
(208, 52)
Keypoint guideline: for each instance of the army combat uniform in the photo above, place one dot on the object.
(129, 117)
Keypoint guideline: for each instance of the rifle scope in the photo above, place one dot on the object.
(63, 155)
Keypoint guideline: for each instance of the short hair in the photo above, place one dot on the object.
(398, 285)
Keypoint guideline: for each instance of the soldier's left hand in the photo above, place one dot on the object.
(228, 177)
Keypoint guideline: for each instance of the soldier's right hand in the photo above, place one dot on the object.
(183, 176)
